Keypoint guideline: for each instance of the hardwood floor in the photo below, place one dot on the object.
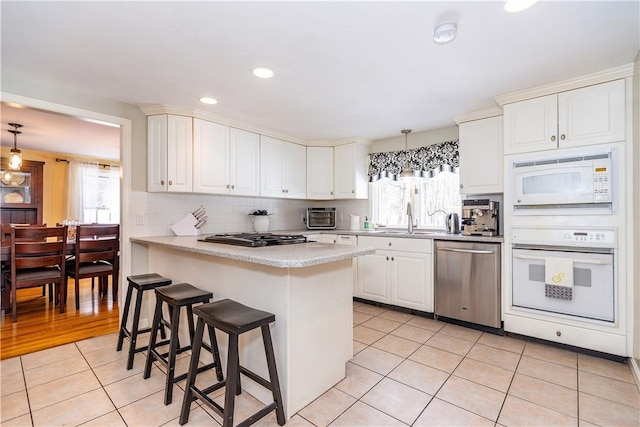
(40, 325)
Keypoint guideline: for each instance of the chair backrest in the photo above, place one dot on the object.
(97, 243)
(37, 247)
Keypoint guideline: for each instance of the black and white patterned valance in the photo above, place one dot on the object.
(423, 161)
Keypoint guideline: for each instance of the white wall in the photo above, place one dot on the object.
(636, 213)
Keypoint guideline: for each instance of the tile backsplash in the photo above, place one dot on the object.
(229, 214)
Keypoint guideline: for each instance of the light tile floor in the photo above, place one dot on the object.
(406, 370)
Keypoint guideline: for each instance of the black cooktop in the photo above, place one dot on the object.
(255, 239)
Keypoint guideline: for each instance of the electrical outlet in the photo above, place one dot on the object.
(139, 219)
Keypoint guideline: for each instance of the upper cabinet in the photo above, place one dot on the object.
(283, 169)
(590, 115)
(481, 156)
(225, 160)
(320, 173)
(350, 171)
(21, 193)
(170, 152)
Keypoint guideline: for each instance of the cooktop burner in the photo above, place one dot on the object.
(255, 239)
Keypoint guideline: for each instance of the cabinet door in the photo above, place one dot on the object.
(244, 163)
(271, 164)
(481, 156)
(320, 173)
(531, 125)
(157, 153)
(344, 182)
(295, 168)
(592, 115)
(411, 280)
(180, 153)
(210, 157)
(373, 276)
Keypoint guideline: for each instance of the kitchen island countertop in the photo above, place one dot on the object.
(284, 256)
(436, 235)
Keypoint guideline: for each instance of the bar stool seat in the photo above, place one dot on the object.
(141, 283)
(177, 296)
(234, 319)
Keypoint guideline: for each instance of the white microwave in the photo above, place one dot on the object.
(570, 181)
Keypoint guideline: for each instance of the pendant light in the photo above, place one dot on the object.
(406, 171)
(15, 159)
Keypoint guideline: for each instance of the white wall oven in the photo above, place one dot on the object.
(565, 272)
(581, 180)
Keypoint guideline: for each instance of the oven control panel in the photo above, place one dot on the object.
(590, 237)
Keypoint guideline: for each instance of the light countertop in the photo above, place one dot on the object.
(284, 256)
(418, 234)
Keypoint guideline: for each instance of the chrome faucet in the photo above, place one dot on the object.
(410, 225)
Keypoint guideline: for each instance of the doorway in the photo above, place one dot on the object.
(96, 316)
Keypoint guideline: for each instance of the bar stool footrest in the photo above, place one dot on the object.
(257, 378)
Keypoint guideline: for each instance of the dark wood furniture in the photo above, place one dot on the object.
(21, 193)
(95, 255)
(141, 283)
(176, 297)
(234, 319)
(37, 258)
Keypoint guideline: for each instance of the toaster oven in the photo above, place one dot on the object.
(321, 218)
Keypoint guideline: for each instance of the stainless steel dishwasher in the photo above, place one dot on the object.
(467, 282)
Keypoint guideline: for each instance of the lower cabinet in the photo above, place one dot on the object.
(400, 272)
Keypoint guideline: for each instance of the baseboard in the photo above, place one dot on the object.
(635, 368)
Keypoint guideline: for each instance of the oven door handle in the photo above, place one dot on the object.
(466, 251)
(575, 261)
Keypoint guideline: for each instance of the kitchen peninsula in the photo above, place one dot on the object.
(307, 286)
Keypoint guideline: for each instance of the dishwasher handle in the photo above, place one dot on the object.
(466, 251)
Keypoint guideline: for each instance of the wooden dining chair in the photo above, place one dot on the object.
(37, 259)
(96, 255)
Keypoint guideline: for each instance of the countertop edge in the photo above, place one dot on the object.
(278, 256)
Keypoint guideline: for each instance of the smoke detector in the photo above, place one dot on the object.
(444, 33)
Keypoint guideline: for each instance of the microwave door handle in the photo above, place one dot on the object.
(576, 261)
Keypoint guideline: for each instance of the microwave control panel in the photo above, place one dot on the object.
(601, 183)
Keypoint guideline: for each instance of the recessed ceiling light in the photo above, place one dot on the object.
(208, 100)
(518, 5)
(262, 72)
(444, 33)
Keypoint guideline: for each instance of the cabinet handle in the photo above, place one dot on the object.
(162, 182)
(331, 193)
(461, 186)
(233, 187)
(389, 243)
(283, 190)
(228, 186)
(391, 258)
(353, 191)
(562, 137)
(553, 137)
(170, 182)
(387, 258)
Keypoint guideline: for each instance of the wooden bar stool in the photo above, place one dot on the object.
(142, 283)
(234, 319)
(176, 297)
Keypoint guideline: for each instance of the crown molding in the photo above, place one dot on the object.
(610, 74)
(478, 115)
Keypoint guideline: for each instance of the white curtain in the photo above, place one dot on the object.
(79, 175)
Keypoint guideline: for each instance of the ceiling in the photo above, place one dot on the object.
(342, 69)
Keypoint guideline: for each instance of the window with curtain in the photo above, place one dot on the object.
(94, 193)
(434, 190)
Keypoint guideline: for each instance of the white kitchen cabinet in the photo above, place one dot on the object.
(283, 169)
(170, 151)
(226, 160)
(399, 272)
(350, 172)
(586, 116)
(320, 173)
(481, 156)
